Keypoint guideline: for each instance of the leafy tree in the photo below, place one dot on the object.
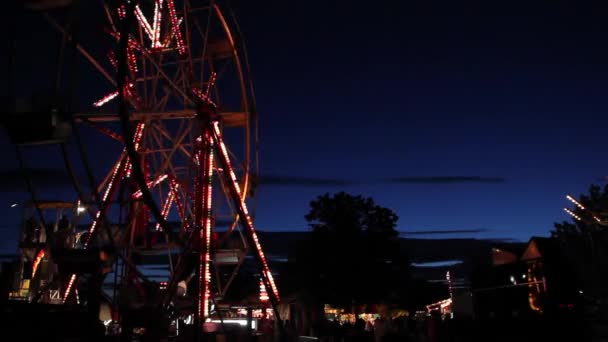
(353, 253)
(585, 242)
(596, 208)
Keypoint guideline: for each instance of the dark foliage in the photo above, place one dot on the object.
(353, 253)
(585, 241)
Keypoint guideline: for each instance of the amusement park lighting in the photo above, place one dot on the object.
(105, 99)
(205, 257)
(122, 11)
(249, 224)
(241, 322)
(69, 288)
(144, 22)
(139, 132)
(116, 172)
(151, 184)
(112, 59)
(580, 206)
(202, 96)
(572, 214)
(80, 209)
(210, 84)
(174, 186)
(132, 60)
(166, 208)
(158, 7)
(263, 293)
(571, 199)
(175, 23)
(170, 36)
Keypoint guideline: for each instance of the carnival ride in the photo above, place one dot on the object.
(178, 84)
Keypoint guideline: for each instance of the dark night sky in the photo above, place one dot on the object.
(365, 91)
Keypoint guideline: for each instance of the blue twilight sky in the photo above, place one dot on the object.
(369, 91)
(417, 88)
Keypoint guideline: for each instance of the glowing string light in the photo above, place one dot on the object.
(158, 7)
(174, 22)
(171, 35)
(150, 184)
(132, 96)
(129, 92)
(132, 60)
(207, 225)
(104, 201)
(105, 99)
(108, 132)
(166, 208)
(69, 288)
(580, 206)
(204, 204)
(122, 12)
(575, 202)
(174, 186)
(139, 132)
(131, 42)
(116, 172)
(248, 222)
(572, 214)
(201, 95)
(210, 84)
(263, 293)
(112, 59)
(144, 23)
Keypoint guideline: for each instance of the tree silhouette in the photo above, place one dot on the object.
(595, 206)
(353, 252)
(585, 242)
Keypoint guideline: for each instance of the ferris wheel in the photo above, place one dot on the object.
(178, 106)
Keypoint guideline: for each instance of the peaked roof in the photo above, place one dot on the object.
(541, 247)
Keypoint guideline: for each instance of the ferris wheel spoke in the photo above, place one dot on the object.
(103, 130)
(167, 167)
(109, 17)
(205, 37)
(174, 188)
(166, 208)
(106, 179)
(162, 103)
(151, 184)
(144, 24)
(166, 134)
(158, 67)
(155, 83)
(216, 91)
(239, 197)
(187, 39)
(112, 186)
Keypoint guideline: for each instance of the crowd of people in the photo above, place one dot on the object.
(434, 328)
(383, 329)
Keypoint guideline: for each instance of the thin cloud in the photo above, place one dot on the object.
(303, 181)
(446, 179)
(281, 180)
(439, 232)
